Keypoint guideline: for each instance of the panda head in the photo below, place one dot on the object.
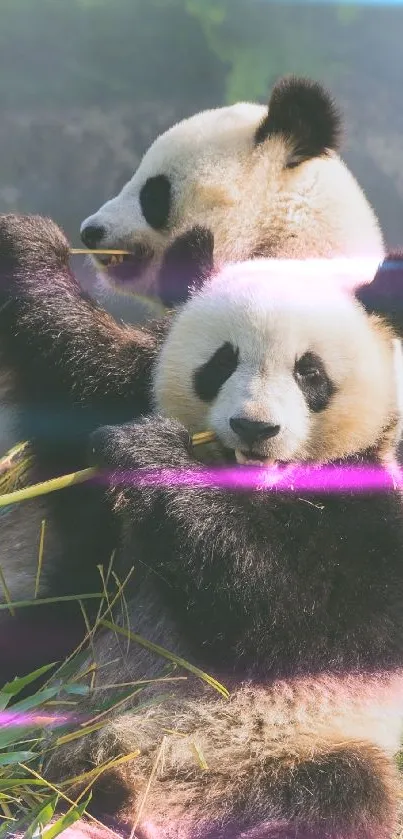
(282, 362)
(267, 181)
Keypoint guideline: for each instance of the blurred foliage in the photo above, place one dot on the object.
(87, 85)
(348, 13)
(259, 42)
(92, 51)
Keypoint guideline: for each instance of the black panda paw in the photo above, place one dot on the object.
(187, 263)
(150, 443)
(29, 243)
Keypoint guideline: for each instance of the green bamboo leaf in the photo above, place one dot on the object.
(18, 684)
(12, 734)
(76, 690)
(9, 758)
(71, 666)
(12, 783)
(34, 701)
(72, 816)
(43, 818)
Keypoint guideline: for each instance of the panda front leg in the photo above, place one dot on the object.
(203, 538)
(67, 357)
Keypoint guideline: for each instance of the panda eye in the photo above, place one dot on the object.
(313, 381)
(307, 366)
(155, 201)
(209, 378)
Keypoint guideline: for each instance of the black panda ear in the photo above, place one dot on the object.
(384, 295)
(187, 263)
(304, 113)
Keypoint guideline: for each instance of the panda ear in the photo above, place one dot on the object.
(187, 263)
(304, 114)
(384, 295)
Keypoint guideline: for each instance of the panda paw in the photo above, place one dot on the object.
(187, 263)
(149, 443)
(32, 241)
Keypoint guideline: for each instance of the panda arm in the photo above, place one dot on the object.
(153, 478)
(384, 295)
(64, 351)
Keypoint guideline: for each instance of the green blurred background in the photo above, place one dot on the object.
(86, 85)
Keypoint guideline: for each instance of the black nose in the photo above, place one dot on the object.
(92, 235)
(250, 431)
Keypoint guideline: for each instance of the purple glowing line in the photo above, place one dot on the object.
(292, 479)
(9, 719)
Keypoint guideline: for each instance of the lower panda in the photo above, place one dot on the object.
(292, 599)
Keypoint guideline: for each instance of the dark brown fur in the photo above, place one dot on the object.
(295, 604)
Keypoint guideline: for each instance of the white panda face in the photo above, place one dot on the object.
(279, 371)
(267, 182)
(190, 175)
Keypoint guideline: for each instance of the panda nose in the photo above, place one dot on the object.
(92, 235)
(251, 431)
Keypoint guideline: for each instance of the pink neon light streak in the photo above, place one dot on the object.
(293, 478)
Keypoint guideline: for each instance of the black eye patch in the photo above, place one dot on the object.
(209, 378)
(312, 379)
(155, 201)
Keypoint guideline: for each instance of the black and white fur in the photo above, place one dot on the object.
(294, 602)
(267, 181)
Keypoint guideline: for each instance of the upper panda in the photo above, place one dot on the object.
(267, 182)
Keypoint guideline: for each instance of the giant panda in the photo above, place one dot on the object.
(267, 181)
(290, 597)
